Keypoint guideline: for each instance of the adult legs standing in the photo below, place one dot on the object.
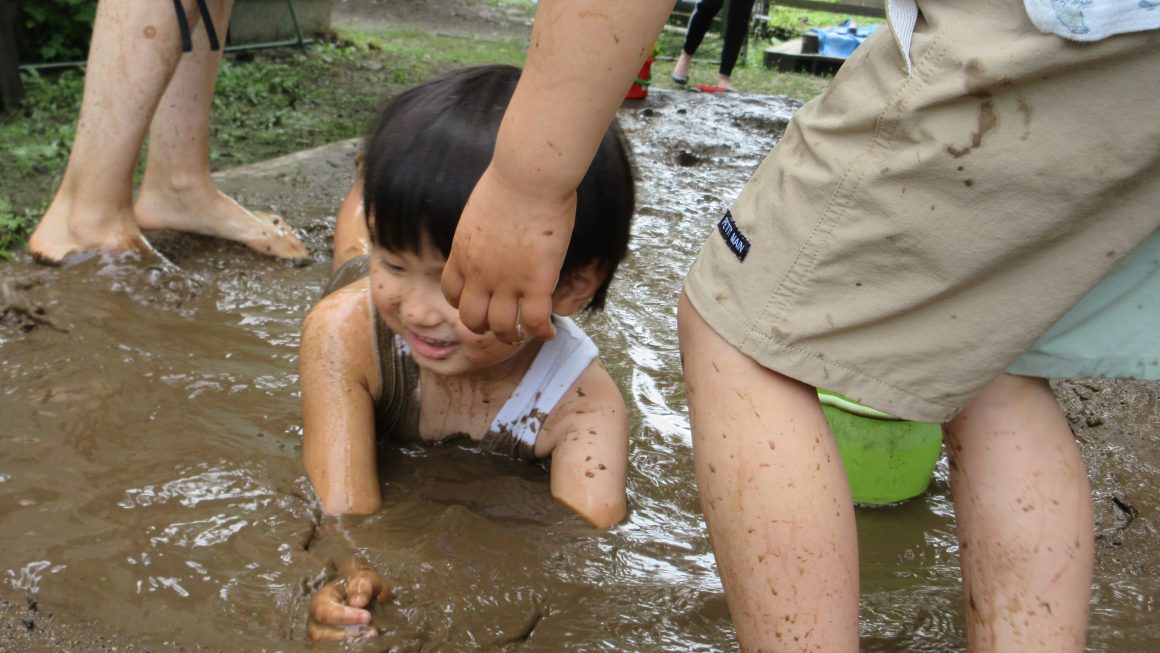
(699, 23)
(133, 57)
(177, 191)
(133, 53)
(736, 28)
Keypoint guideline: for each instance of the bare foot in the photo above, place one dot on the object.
(209, 212)
(67, 228)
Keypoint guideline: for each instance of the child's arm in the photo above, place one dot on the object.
(351, 237)
(587, 434)
(582, 58)
(337, 370)
(338, 380)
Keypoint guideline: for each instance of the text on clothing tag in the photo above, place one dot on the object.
(737, 243)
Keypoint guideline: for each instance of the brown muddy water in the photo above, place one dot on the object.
(152, 498)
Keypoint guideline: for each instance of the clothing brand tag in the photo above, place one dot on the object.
(737, 243)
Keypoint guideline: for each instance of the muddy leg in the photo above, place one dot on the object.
(177, 191)
(1024, 514)
(775, 498)
(134, 52)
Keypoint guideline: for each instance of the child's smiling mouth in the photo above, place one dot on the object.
(431, 347)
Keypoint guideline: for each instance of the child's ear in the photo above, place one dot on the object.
(576, 289)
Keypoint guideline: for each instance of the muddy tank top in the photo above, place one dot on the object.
(397, 406)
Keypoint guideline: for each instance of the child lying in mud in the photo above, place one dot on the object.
(383, 353)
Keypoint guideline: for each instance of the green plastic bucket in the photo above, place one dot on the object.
(887, 460)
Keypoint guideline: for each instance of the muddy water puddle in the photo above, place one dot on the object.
(151, 489)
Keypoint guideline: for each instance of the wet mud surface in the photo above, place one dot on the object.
(152, 497)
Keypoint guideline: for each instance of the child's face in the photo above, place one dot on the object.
(405, 288)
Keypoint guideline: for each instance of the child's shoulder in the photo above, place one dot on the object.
(344, 302)
(594, 383)
(592, 402)
(341, 322)
(593, 390)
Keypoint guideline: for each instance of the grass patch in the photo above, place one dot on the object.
(749, 76)
(787, 23)
(15, 227)
(427, 54)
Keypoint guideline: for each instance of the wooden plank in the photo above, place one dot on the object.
(814, 64)
(11, 90)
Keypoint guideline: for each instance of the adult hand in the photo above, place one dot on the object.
(339, 609)
(506, 258)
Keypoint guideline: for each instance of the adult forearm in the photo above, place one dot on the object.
(582, 58)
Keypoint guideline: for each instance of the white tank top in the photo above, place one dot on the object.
(558, 364)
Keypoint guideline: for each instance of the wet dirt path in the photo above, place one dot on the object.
(151, 495)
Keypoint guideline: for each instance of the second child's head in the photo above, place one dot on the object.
(429, 147)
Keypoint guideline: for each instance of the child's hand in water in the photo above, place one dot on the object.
(506, 258)
(340, 610)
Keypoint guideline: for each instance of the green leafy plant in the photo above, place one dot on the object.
(57, 30)
(786, 23)
(15, 227)
(39, 134)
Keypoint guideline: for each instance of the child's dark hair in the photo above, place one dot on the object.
(431, 144)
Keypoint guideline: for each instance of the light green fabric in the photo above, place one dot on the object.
(1113, 332)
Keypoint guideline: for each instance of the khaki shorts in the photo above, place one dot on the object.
(911, 236)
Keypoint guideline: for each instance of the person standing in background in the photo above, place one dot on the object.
(138, 82)
(736, 27)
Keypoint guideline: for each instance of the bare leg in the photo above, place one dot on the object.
(177, 191)
(775, 498)
(134, 52)
(700, 21)
(351, 237)
(736, 31)
(1023, 508)
(684, 65)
